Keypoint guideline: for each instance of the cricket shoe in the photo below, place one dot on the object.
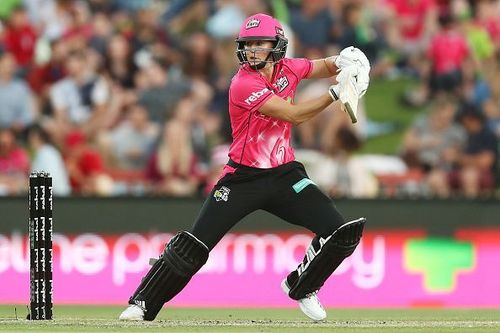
(132, 313)
(310, 304)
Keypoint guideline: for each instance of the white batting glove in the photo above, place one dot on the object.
(349, 93)
(351, 56)
(354, 57)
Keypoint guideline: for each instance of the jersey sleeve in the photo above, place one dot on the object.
(249, 93)
(302, 67)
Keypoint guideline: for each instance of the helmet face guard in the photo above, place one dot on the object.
(276, 53)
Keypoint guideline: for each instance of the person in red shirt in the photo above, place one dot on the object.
(262, 172)
(14, 164)
(414, 21)
(20, 37)
(85, 167)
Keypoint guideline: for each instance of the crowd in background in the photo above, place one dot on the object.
(125, 97)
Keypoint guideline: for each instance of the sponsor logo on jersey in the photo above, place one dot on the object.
(255, 96)
(282, 83)
(253, 23)
(222, 194)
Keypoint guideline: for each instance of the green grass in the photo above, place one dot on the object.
(103, 319)
(383, 104)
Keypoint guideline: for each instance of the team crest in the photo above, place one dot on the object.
(282, 83)
(222, 194)
(253, 23)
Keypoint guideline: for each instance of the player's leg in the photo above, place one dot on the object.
(300, 202)
(187, 252)
(183, 256)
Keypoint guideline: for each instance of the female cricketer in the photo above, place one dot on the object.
(262, 172)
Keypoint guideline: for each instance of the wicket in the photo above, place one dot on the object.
(40, 238)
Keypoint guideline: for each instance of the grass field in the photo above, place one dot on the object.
(103, 319)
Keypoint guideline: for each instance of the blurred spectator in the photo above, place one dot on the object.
(343, 175)
(20, 38)
(119, 61)
(102, 30)
(198, 60)
(130, 144)
(357, 32)
(42, 76)
(172, 168)
(79, 31)
(79, 99)
(476, 173)
(161, 95)
(85, 167)
(14, 165)
(17, 107)
(433, 144)
(313, 26)
(413, 23)
(488, 17)
(492, 104)
(47, 158)
(447, 53)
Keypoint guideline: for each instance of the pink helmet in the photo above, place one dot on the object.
(261, 27)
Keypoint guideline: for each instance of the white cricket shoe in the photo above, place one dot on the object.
(310, 304)
(132, 313)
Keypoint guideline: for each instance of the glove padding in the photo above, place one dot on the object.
(351, 56)
(359, 66)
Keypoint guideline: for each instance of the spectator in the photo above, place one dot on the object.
(162, 93)
(80, 99)
(172, 168)
(131, 142)
(414, 22)
(476, 165)
(42, 76)
(433, 143)
(85, 167)
(14, 165)
(119, 61)
(343, 175)
(313, 26)
(20, 38)
(492, 104)
(447, 54)
(47, 158)
(448, 51)
(17, 107)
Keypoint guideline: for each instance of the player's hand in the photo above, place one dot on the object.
(345, 77)
(351, 56)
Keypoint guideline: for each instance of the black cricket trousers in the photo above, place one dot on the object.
(285, 191)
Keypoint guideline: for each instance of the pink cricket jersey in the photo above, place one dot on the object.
(260, 141)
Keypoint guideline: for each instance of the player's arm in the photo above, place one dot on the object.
(277, 107)
(323, 68)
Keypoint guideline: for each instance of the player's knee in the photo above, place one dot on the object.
(185, 253)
